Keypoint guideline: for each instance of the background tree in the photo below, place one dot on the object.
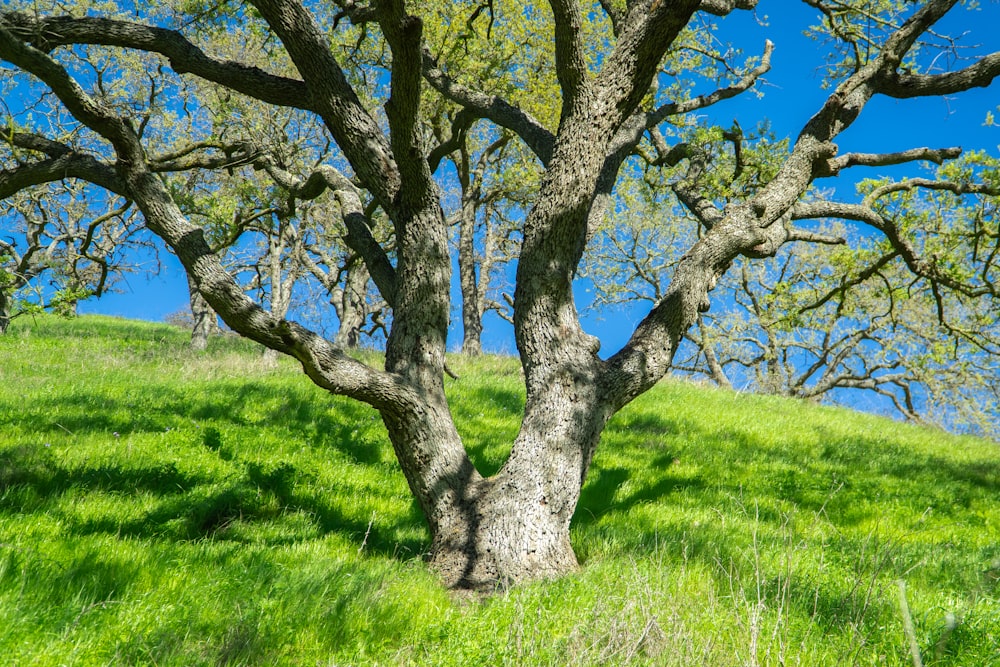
(61, 248)
(492, 188)
(821, 322)
(343, 279)
(615, 90)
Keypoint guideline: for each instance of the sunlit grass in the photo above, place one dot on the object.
(159, 506)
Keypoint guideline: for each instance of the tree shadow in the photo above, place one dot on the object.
(196, 506)
(182, 503)
(477, 418)
(193, 507)
(598, 496)
(327, 423)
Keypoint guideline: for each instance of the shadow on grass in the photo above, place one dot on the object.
(22, 466)
(757, 481)
(189, 505)
(306, 414)
(192, 507)
(597, 498)
(83, 414)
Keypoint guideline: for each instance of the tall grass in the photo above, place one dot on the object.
(163, 507)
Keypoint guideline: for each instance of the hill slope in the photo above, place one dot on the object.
(164, 507)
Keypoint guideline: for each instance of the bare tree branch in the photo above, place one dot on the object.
(539, 139)
(935, 155)
(979, 74)
(359, 235)
(183, 56)
(356, 132)
(746, 82)
(723, 7)
(328, 367)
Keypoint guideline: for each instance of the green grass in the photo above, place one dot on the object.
(161, 507)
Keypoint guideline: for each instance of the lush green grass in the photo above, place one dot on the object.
(170, 508)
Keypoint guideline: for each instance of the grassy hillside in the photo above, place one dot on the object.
(170, 508)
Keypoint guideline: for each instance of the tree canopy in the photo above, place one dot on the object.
(311, 117)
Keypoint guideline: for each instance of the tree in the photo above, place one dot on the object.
(495, 176)
(820, 320)
(57, 235)
(487, 208)
(344, 282)
(514, 526)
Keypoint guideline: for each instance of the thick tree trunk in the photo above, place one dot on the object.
(514, 527)
(505, 534)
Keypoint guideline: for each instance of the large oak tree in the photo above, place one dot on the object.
(513, 526)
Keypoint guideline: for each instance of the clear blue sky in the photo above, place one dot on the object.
(792, 93)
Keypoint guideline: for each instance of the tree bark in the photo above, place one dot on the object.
(206, 322)
(472, 316)
(514, 526)
(4, 312)
(351, 305)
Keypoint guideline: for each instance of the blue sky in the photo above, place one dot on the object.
(792, 93)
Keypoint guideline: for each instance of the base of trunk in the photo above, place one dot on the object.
(487, 571)
(501, 541)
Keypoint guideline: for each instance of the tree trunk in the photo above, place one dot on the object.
(205, 321)
(504, 534)
(4, 313)
(514, 526)
(472, 319)
(351, 305)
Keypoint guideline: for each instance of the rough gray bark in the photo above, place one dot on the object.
(513, 526)
(351, 305)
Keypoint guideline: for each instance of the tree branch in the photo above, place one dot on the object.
(795, 234)
(455, 139)
(183, 56)
(571, 66)
(723, 7)
(68, 165)
(327, 366)
(357, 134)
(746, 82)
(978, 75)
(404, 33)
(749, 228)
(492, 107)
(935, 155)
(359, 235)
(186, 159)
(920, 266)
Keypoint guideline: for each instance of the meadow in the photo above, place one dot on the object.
(165, 507)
